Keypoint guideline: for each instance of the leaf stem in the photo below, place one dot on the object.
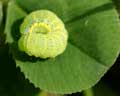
(88, 92)
(43, 93)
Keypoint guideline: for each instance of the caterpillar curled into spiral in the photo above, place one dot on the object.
(43, 35)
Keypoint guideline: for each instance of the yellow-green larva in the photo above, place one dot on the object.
(43, 35)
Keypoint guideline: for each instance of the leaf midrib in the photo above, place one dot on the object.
(103, 64)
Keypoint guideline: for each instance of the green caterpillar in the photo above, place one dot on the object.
(43, 35)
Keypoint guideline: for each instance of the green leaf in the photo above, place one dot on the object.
(13, 13)
(97, 33)
(93, 46)
(66, 9)
(55, 75)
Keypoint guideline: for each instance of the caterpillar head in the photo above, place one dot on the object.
(43, 35)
